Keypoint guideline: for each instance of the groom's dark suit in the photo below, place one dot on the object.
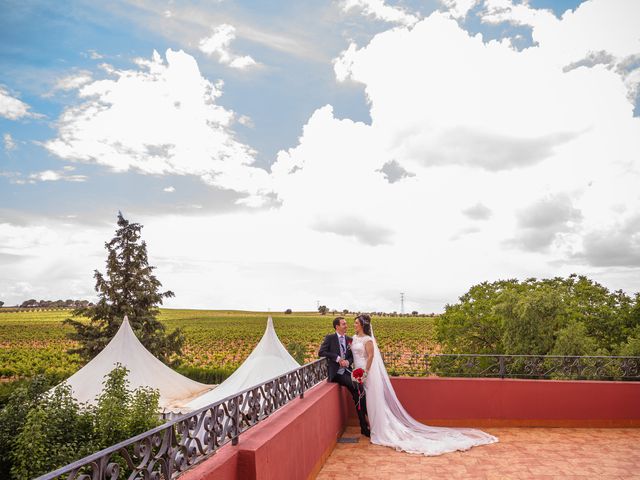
(330, 349)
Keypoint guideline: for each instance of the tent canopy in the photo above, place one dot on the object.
(269, 359)
(145, 370)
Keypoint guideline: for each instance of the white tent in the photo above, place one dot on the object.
(145, 370)
(269, 359)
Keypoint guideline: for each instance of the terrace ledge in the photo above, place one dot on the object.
(296, 440)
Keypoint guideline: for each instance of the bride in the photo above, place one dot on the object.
(390, 424)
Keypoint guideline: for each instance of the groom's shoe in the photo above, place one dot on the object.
(365, 432)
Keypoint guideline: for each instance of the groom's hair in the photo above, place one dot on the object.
(336, 321)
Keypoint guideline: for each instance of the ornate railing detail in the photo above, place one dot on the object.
(516, 366)
(168, 450)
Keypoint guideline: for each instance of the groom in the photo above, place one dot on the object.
(336, 347)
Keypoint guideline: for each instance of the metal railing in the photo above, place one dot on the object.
(168, 450)
(515, 366)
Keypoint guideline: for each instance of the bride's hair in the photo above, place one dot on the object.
(365, 321)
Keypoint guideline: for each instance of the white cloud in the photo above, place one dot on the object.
(246, 121)
(394, 172)
(159, 119)
(218, 44)
(592, 30)
(521, 168)
(477, 212)
(93, 55)
(55, 175)
(14, 108)
(169, 189)
(9, 143)
(367, 233)
(616, 246)
(75, 81)
(544, 156)
(459, 8)
(50, 260)
(541, 223)
(381, 11)
(499, 11)
(21, 240)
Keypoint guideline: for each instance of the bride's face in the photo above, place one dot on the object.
(357, 327)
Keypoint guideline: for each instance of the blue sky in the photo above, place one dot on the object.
(59, 170)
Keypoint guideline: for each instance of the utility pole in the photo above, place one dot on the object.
(401, 303)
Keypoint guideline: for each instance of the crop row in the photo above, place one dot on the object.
(36, 342)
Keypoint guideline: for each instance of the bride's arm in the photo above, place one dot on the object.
(369, 348)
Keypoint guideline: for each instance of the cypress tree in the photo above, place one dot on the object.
(128, 288)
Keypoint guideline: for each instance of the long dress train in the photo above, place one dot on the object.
(390, 423)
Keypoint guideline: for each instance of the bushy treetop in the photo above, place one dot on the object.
(129, 288)
(563, 316)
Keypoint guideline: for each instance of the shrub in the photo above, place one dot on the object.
(56, 432)
(42, 430)
(212, 376)
(14, 415)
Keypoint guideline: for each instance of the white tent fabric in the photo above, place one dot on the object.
(145, 370)
(269, 359)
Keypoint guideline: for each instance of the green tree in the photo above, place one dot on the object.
(573, 340)
(631, 348)
(128, 288)
(323, 309)
(527, 317)
(472, 325)
(607, 316)
(529, 320)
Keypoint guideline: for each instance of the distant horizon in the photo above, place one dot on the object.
(234, 310)
(294, 310)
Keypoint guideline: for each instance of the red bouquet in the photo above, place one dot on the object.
(358, 375)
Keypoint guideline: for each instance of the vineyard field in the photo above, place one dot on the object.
(33, 342)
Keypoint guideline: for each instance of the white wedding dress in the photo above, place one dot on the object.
(390, 423)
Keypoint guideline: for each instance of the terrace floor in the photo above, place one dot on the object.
(522, 453)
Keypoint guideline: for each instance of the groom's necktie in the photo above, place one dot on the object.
(343, 351)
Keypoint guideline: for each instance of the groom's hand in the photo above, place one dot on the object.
(344, 363)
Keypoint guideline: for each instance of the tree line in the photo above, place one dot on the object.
(33, 303)
(323, 310)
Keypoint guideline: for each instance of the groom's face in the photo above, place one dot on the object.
(341, 329)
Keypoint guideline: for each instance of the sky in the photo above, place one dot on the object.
(289, 154)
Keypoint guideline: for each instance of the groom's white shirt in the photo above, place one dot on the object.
(345, 345)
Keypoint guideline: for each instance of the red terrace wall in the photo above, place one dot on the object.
(223, 465)
(494, 402)
(295, 441)
(291, 444)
